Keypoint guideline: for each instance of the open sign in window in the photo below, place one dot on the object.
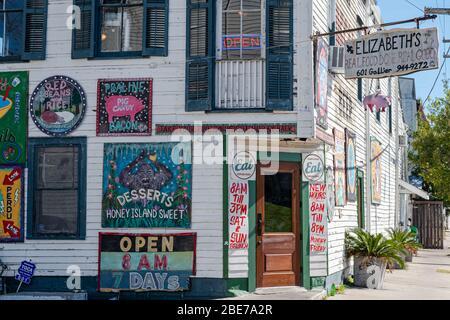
(241, 42)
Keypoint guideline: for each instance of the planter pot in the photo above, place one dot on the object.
(409, 257)
(369, 272)
(396, 266)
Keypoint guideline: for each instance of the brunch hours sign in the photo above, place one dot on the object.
(238, 214)
(317, 219)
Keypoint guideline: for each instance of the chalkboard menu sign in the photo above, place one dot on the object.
(124, 107)
(58, 105)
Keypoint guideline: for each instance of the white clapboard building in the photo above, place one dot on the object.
(109, 193)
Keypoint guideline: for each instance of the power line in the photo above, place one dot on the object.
(437, 78)
(421, 10)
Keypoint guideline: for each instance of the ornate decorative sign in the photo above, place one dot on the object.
(392, 53)
(339, 168)
(322, 83)
(124, 107)
(58, 105)
(146, 262)
(13, 117)
(11, 204)
(375, 158)
(147, 185)
(331, 201)
(351, 164)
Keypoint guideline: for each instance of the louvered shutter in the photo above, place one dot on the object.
(156, 28)
(35, 26)
(83, 39)
(279, 15)
(200, 55)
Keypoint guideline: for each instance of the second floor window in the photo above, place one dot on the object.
(22, 30)
(118, 28)
(121, 25)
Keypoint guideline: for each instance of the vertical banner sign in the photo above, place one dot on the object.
(124, 107)
(376, 170)
(11, 204)
(13, 117)
(318, 233)
(392, 53)
(58, 105)
(147, 185)
(322, 83)
(331, 201)
(339, 168)
(146, 262)
(241, 170)
(350, 142)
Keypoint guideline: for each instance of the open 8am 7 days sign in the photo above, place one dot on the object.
(11, 204)
(146, 262)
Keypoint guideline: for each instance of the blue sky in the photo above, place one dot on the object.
(394, 10)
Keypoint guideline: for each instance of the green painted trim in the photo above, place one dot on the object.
(225, 209)
(360, 177)
(318, 282)
(283, 156)
(252, 237)
(304, 208)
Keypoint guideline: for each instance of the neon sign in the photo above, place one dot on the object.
(244, 42)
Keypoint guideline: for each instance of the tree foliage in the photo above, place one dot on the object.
(431, 147)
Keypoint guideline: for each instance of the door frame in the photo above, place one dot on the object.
(295, 169)
(249, 283)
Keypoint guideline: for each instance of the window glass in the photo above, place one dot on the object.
(121, 29)
(241, 29)
(11, 28)
(56, 190)
(278, 203)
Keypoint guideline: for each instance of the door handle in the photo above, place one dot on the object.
(259, 225)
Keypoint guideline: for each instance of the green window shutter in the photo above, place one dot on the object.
(35, 26)
(156, 28)
(279, 83)
(200, 55)
(83, 38)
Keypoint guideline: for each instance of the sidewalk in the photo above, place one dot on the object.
(426, 278)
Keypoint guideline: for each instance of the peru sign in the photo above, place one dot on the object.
(392, 53)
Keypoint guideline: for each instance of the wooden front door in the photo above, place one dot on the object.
(278, 226)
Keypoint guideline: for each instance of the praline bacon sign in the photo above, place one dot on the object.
(124, 107)
(11, 204)
(392, 53)
(58, 105)
(146, 262)
(318, 219)
(147, 185)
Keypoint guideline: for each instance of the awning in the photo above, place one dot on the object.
(410, 189)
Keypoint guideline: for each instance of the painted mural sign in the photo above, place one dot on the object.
(313, 167)
(339, 168)
(331, 201)
(146, 262)
(350, 143)
(322, 83)
(58, 105)
(392, 53)
(147, 185)
(13, 117)
(11, 204)
(124, 107)
(376, 170)
(238, 207)
(318, 225)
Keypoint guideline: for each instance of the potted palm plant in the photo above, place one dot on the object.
(372, 255)
(406, 242)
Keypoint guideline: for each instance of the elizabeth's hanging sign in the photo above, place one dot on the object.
(11, 204)
(392, 53)
(146, 262)
(124, 107)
